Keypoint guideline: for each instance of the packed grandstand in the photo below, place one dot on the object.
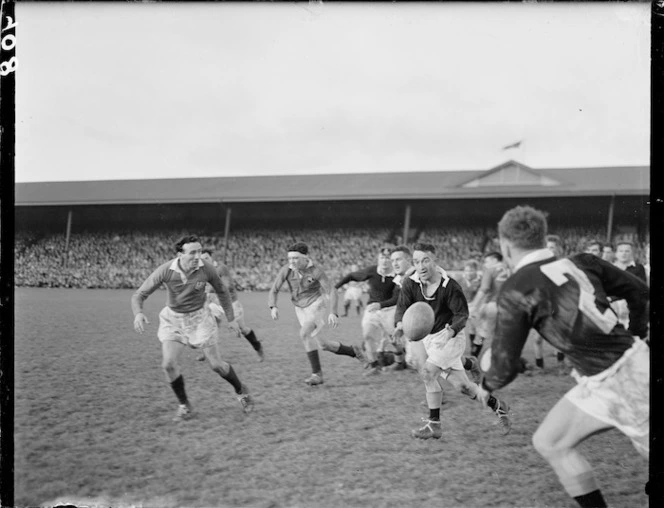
(123, 259)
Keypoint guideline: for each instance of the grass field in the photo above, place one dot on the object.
(93, 423)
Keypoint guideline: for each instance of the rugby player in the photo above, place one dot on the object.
(484, 304)
(440, 353)
(611, 364)
(309, 290)
(625, 261)
(238, 309)
(402, 265)
(186, 320)
(594, 247)
(608, 254)
(353, 296)
(470, 285)
(378, 318)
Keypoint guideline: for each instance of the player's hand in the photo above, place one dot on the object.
(333, 320)
(373, 307)
(234, 327)
(139, 322)
(275, 313)
(483, 395)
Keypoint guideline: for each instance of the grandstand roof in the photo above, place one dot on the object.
(511, 179)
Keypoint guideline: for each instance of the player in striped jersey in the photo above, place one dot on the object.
(309, 290)
(217, 310)
(566, 301)
(186, 320)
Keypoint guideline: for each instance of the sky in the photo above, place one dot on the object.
(123, 90)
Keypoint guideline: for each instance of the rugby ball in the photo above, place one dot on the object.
(418, 321)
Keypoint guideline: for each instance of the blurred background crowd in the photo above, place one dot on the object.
(124, 259)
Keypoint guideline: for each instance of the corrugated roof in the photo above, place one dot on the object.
(626, 180)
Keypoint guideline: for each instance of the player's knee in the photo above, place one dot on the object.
(543, 444)
(220, 367)
(169, 365)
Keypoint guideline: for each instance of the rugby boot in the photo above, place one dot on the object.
(314, 379)
(504, 419)
(184, 412)
(432, 430)
(245, 399)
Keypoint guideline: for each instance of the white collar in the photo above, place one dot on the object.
(534, 257)
(443, 273)
(175, 266)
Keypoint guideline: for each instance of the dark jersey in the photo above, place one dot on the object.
(448, 303)
(638, 270)
(566, 302)
(382, 288)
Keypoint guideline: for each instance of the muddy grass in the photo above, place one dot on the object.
(93, 423)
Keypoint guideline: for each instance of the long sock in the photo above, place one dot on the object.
(475, 350)
(178, 387)
(467, 364)
(232, 378)
(539, 362)
(592, 499)
(345, 350)
(314, 360)
(434, 414)
(251, 337)
(493, 402)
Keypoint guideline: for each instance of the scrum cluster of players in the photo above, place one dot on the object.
(527, 288)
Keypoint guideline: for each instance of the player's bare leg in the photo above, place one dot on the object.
(557, 438)
(338, 348)
(226, 371)
(311, 345)
(459, 379)
(171, 352)
(372, 335)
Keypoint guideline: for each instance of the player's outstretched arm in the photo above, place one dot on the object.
(274, 292)
(140, 320)
(148, 287)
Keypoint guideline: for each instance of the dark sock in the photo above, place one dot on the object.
(178, 388)
(467, 364)
(539, 362)
(314, 360)
(592, 499)
(345, 350)
(232, 378)
(493, 402)
(374, 364)
(560, 356)
(434, 414)
(475, 350)
(251, 337)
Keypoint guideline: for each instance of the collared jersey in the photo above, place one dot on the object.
(305, 287)
(566, 301)
(382, 288)
(448, 303)
(184, 294)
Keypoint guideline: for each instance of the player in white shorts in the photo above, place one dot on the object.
(186, 320)
(309, 290)
(442, 350)
(611, 364)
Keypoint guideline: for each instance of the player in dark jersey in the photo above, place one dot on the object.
(440, 353)
(378, 318)
(566, 301)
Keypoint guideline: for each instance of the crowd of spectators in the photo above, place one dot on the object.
(124, 259)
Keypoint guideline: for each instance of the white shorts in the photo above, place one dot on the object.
(381, 319)
(443, 353)
(620, 395)
(196, 329)
(315, 313)
(218, 311)
(352, 294)
(486, 320)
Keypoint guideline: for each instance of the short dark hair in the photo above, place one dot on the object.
(523, 226)
(594, 242)
(185, 240)
(424, 247)
(300, 247)
(402, 248)
(624, 242)
(386, 250)
(494, 254)
(207, 251)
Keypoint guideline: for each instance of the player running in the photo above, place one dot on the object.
(187, 321)
(309, 290)
(378, 318)
(442, 350)
(565, 300)
(238, 309)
